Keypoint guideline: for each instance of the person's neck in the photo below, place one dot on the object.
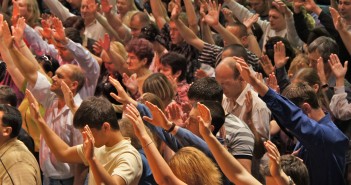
(114, 138)
(317, 114)
(87, 22)
(142, 72)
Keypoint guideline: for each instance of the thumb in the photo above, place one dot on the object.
(148, 119)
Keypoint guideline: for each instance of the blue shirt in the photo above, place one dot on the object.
(323, 145)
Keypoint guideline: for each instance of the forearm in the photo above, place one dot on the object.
(292, 36)
(29, 55)
(346, 38)
(206, 33)
(254, 47)
(232, 169)
(158, 12)
(339, 105)
(101, 19)
(119, 62)
(192, 19)
(161, 171)
(188, 35)
(282, 179)
(80, 174)
(226, 35)
(100, 174)
(36, 43)
(57, 9)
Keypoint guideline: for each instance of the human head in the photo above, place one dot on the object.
(152, 98)
(193, 167)
(205, 89)
(344, 7)
(292, 166)
(173, 65)
(228, 76)
(123, 6)
(140, 54)
(176, 37)
(138, 21)
(75, 3)
(115, 47)
(86, 11)
(49, 64)
(76, 22)
(299, 62)
(72, 75)
(217, 115)
(303, 96)
(260, 7)
(10, 122)
(276, 19)
(29, 9)
(7, 96)
(159, 85)
(315, 33)
(99, 115)
(235, 50)
(240, 31)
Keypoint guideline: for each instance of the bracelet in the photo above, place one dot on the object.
(148, 144)
(172, 128)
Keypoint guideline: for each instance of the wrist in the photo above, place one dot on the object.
(170, 127)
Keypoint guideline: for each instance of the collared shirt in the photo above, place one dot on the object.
(94, 30)
(82, 58)
(323, 145)
(19, 163)
(260, 113)
(61, 122)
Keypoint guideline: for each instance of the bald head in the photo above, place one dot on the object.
(229, 63)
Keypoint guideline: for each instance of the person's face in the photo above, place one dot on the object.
(135, 26)
(167, 71)
(192, 122)
(344, 7)
(65, 54)
(23, 10)
(235, 30)
(122, 6)
(259, 6)
(87, 12)
(232, 88)
(134, 63)
(4, 135)
(176, 37)
(313, 57)
(63, 73)
(276, 20)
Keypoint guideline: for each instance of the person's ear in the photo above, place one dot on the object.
(306, 108)
(106, 126)
(50, 74)
(144, 61)
(74, 85)
(315, 88)
(177, 74)
(6, 131)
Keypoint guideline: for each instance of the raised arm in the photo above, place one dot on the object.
(158, 13)
(232, 169)
(341, 28)
(57, 9)
(186, 32)
(161, 171)
(58, 147)
(254, 47)
(192, 19)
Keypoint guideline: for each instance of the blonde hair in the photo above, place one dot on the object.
(33, 8)
(119, 48)
(127, 130)
(299, 62)
(193, 167)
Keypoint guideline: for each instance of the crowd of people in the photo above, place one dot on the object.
(175, 92)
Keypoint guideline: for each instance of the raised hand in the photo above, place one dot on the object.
(97, 48)
(175, 10)
(68, 96)
(122, 96)
(274, 158)
(5, 34)
(267, 65)
(280, 58)
(133, 115)
(200, 73)
(18, 30)
(297, 4)
(105, 44)
(205, 119)
(46, 32)
(248, 22)
(105, 6)
(245, 72)
(281, 6)
(338, 70)
(273, 83)
(339, 25)
(175, 114)
(88, 143)
(15, 12)
(212, 17)
(311, 6)
(228, 15)
(34, 106)
(59, 33)
(158, 117)
(131, 83)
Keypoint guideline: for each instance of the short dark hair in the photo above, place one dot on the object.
(205, 89)
(142, 49)
(7, 96)
(242, 29)
(95, 111)
(176, 61)
(48, 63)
(217, 114)
(74, 35)
(325, 46)
(293, 167)
(300, 93)
(11, 118)
(76, 22)
(237, 50)
(289, 50)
